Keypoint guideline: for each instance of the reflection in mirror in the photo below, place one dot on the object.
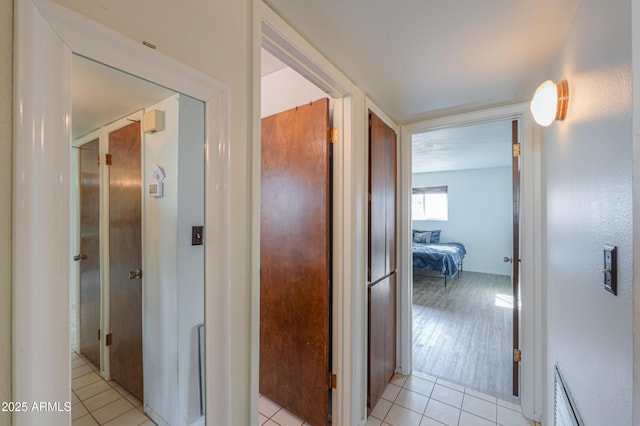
(137, 278)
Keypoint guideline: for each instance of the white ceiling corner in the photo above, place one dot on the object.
(417, 59)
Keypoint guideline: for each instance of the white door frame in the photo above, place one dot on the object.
(530, 246)
(349, 214)
(47, 35)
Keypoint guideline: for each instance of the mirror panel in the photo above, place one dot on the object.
(151, 321)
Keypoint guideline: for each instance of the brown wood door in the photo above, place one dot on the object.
(382, 336)
(382, 257)
(382, 205)
(295, 261)
(516, 255)
(125, 251)
(89, 255)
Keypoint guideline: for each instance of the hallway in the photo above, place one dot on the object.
(98, 402)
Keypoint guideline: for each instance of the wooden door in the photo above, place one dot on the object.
(295, 261)
(382, 204)
(125, 251)
(89, 254)
(382, 258)
(382, 336)
(515, 167)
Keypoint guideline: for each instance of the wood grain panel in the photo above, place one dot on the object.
(125, 250)
(295, 261)
(382, 256)
(390, 195)
(382, 190)
(382, 336)
(377, 254)
(515, 168)
(90, 250)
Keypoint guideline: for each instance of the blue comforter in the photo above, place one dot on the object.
(443, 258)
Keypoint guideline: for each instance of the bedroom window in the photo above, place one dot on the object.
(429, 203)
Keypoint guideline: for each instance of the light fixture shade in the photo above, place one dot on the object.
(550, 102)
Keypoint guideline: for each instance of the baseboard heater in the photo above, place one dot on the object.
(566, 412)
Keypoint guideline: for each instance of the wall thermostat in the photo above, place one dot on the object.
(155, 189)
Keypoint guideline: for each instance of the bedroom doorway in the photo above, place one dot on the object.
(463, 311)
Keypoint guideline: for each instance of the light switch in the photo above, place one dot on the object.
(610, 270)
(197, 235)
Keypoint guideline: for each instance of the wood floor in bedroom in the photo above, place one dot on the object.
(463, 333)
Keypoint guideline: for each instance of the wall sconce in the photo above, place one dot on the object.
(550, 102)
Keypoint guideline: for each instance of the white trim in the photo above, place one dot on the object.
(286, 44)
(531, 239)
(382, 115)
(47, 35)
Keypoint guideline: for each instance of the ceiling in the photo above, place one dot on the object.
(102, 95)
(476, 146)
(418, 59)
(270, 64)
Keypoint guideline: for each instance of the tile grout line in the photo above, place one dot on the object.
(466, 391)
(112, 386)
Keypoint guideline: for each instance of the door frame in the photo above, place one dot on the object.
(349, 213)
(47, 35)
(531, 268)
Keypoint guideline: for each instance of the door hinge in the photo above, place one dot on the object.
(517, 355)
(333, 381)
(333, 135)
(516, 150)
(107, 160)
(109, 339)
(98, 334)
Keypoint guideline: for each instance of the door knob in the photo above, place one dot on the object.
(80, 257)
(508, 259)
(135, 275)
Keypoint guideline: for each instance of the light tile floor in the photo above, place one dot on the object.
(424, 400)
(98, 402)
(271, 414)
(420, 400)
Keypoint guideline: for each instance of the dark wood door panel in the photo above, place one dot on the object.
(89, 306)
(125, 251)
(382, 336)
(390, 196)
(382, 206)
(378, 266)
(295, 261)
(515, 168)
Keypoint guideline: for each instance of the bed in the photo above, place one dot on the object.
(429, 254)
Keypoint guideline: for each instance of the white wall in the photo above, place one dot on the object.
(286, 89)
(173, 269)
(587, 165)
(190, 258)
(480, 215)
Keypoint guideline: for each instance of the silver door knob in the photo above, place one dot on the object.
(80, 257)
(135, 275)
(508, 259)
